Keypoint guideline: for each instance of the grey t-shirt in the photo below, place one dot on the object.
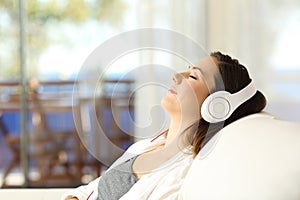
(117, 181)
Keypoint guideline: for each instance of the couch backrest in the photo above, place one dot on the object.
(256, 157)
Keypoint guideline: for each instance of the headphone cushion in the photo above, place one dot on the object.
(216, 107)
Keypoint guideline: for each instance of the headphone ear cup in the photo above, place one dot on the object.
(220, 105)
(216, 107)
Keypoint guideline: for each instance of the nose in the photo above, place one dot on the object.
(177, 78)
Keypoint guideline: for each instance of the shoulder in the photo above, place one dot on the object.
(137, 148)
(139, 145)
(145, 145)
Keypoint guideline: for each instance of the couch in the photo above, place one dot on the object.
(256, 157)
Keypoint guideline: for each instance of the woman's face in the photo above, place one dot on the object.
(189, 90)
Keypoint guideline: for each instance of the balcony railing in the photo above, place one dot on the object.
(57, 126)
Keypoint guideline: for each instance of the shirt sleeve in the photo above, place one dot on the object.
(84, 192)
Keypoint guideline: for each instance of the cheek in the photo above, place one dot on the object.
(202, 92)
(201, 97)
(190, 97)
(199, 94)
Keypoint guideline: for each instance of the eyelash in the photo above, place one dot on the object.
(193, 77)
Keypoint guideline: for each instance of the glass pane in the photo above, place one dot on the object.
(282, 71)
(59, 37)
(9, 95)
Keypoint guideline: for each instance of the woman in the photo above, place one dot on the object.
(155, 168)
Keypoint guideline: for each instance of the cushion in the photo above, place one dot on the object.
(256, 157)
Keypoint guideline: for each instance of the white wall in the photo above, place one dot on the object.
(184, 17)
(249, 30)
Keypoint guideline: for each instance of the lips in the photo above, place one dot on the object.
(171, 90)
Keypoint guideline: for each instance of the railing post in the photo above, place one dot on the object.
(23, 101)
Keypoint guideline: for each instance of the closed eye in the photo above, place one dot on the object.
(193, 77)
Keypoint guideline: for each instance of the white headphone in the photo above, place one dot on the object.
(220, 105)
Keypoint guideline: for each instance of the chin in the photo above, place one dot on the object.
(169, 105)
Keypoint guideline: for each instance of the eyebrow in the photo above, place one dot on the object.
(197, 68)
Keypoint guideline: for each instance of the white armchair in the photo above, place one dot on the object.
(256, 157)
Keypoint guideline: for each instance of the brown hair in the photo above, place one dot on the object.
(234, 77)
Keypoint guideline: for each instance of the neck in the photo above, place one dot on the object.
(177, 132)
